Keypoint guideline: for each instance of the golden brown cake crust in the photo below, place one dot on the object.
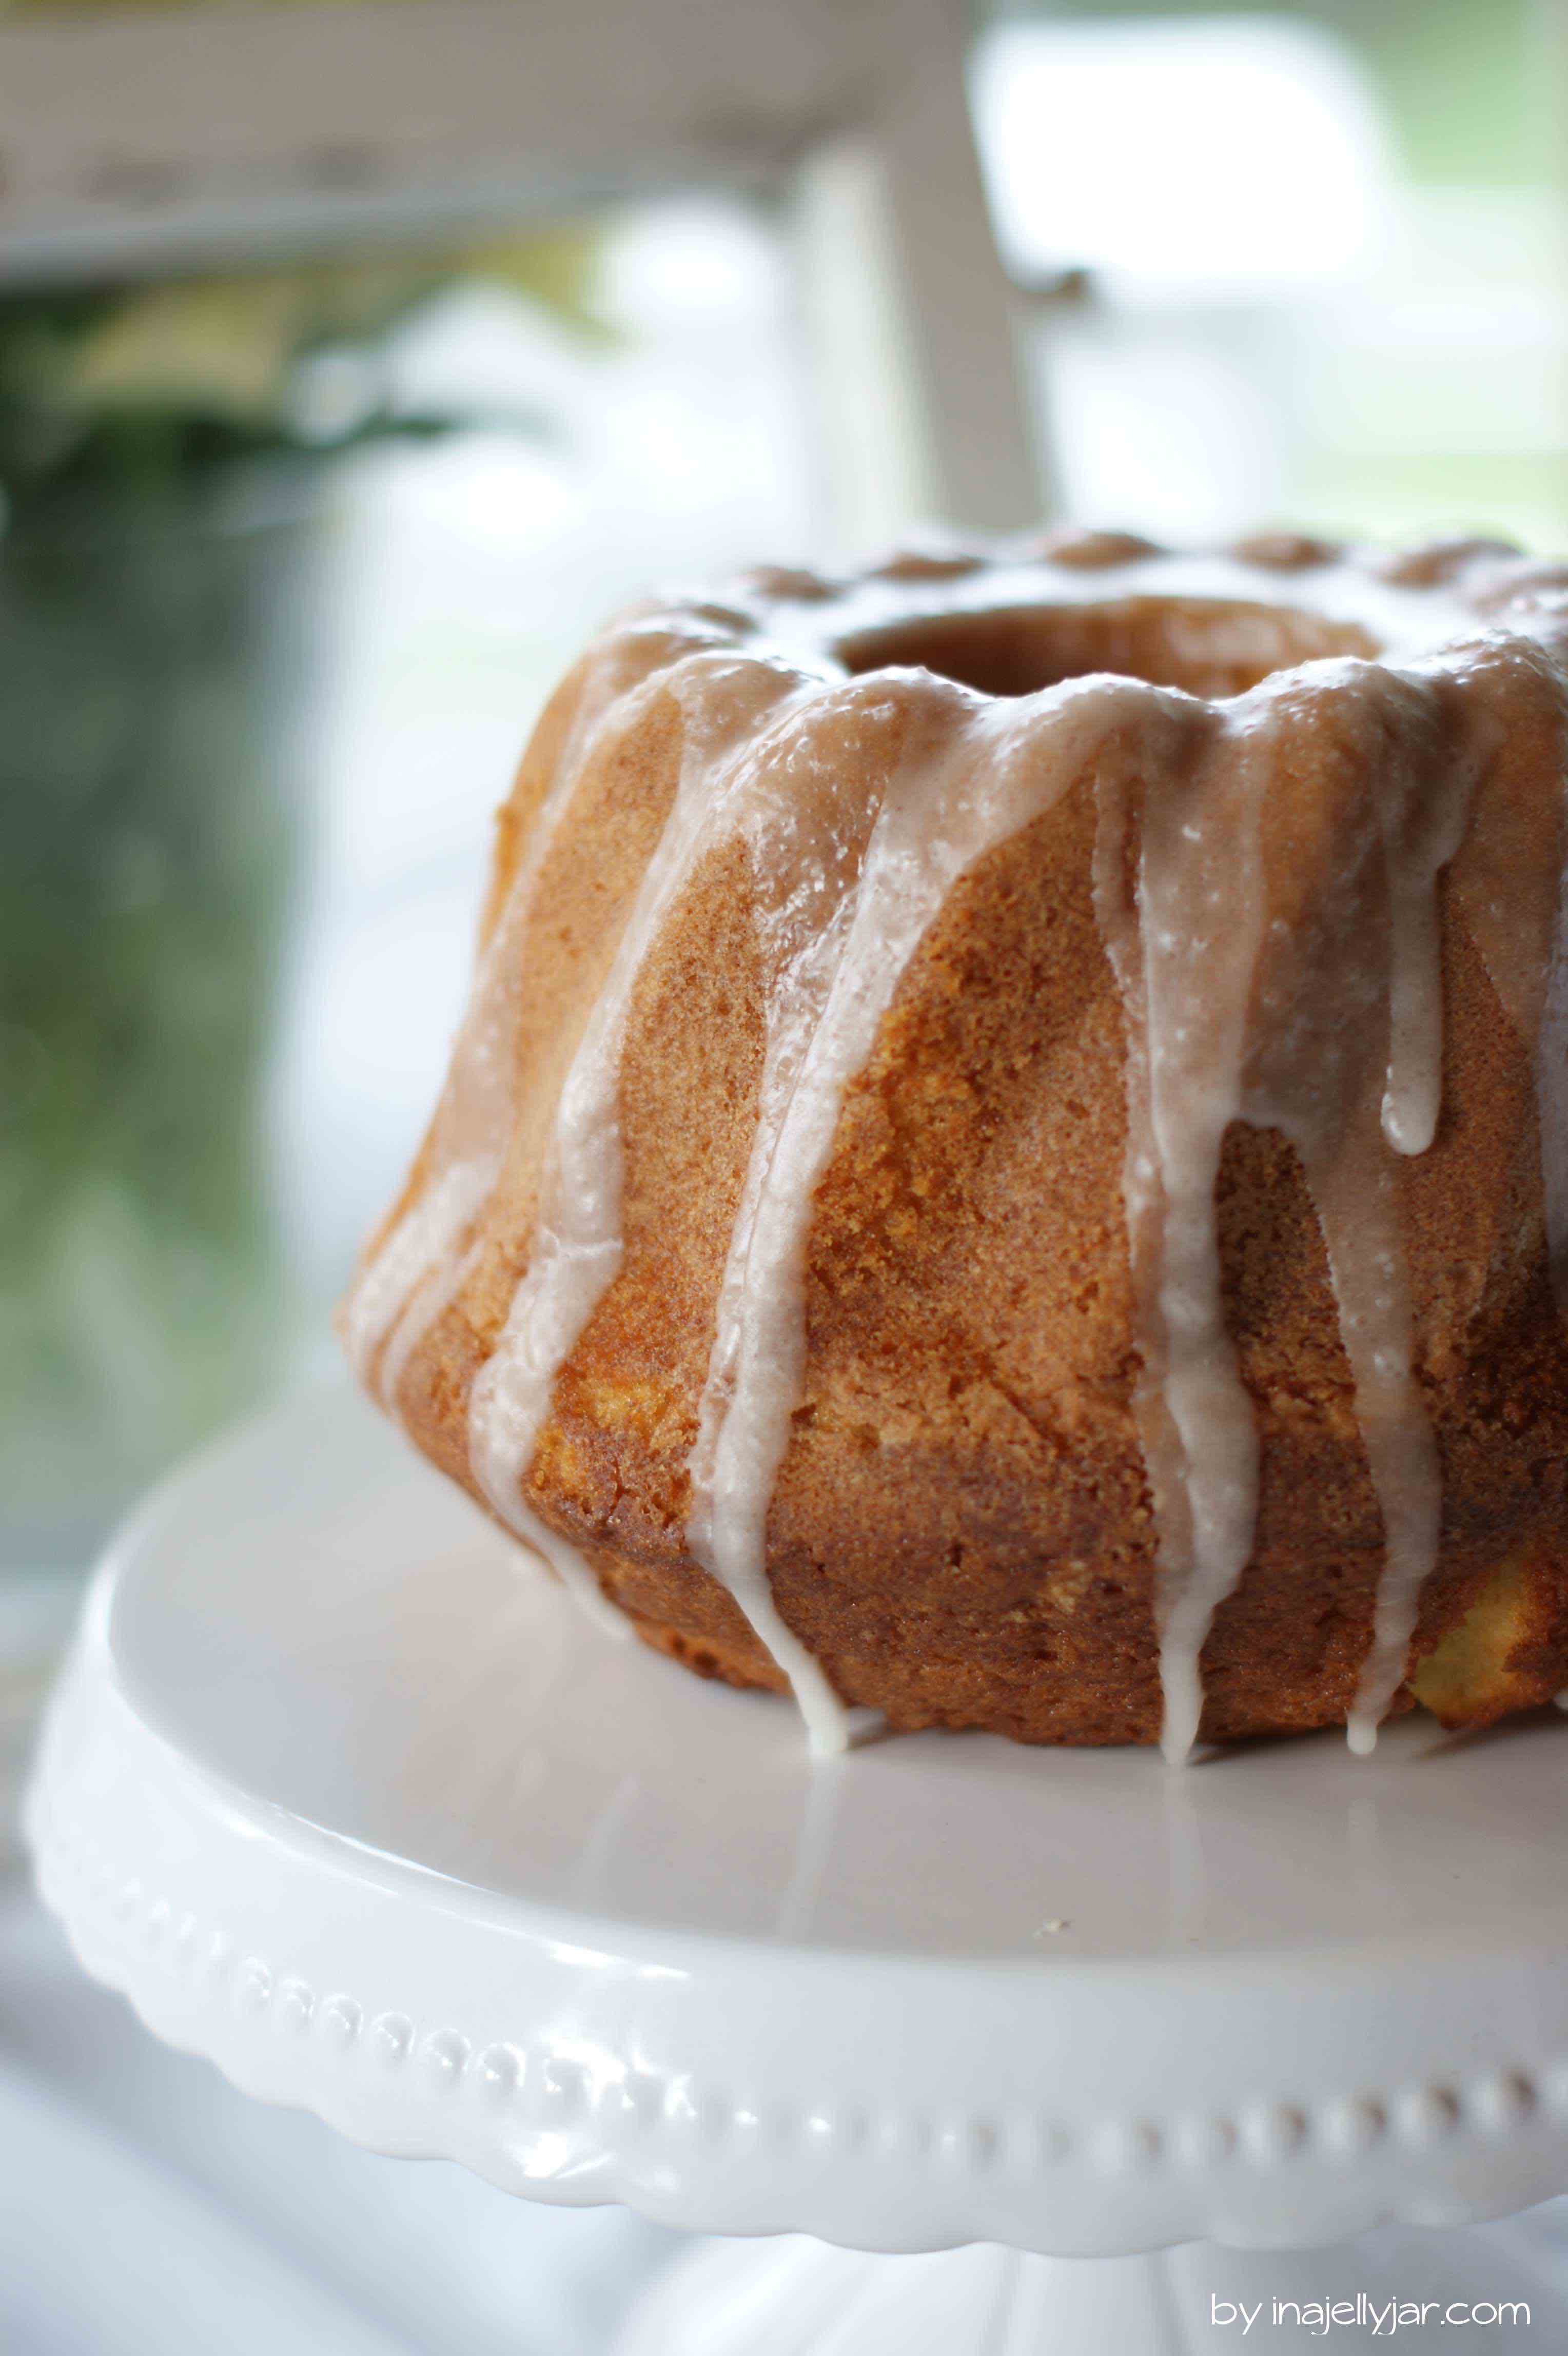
(961, 1531)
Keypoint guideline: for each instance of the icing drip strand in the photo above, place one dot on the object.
(1324, 1023)
(959, 776)
(427, 1254)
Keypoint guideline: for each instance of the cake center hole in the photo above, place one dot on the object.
(1208, 646)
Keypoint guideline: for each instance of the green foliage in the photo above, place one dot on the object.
(133, 392)
(147, 833)
(142, 873)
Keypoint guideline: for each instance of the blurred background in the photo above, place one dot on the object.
(355, 361)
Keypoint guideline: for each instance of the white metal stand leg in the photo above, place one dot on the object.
(960, 304)
(877, 475)
(923, 411)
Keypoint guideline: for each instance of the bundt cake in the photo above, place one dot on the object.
(1008, 1158)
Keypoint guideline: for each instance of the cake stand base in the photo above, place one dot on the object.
(347, 1799)
(794, 2296)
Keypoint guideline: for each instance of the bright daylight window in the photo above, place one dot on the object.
(1324, 258)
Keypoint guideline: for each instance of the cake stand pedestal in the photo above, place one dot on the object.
(387, 1830)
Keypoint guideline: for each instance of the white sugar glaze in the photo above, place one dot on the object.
(426, 1255)
(861, 802)
(727, 701)
(970, 775)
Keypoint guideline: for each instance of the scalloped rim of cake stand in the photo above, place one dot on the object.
(342, 1801)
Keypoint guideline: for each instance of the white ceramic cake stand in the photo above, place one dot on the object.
(343, 1799)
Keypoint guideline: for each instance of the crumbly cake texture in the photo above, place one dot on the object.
(962, 1529)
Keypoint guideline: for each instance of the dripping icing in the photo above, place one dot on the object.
(577, 1246)
(1234, 1014)
(417, 1268)
(825, 996)
(424, 1260)
(973, 775)
(1183, 956)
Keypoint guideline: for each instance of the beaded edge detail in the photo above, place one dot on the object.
(521, 2090)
